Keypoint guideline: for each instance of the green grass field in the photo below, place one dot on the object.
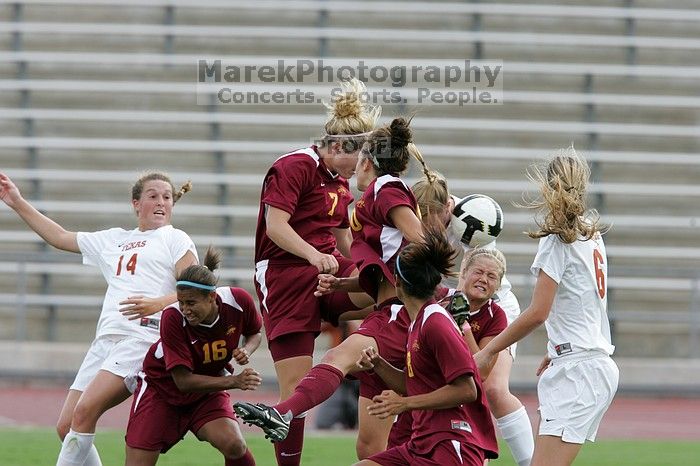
(33, 447)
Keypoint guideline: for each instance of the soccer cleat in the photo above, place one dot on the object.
(274, 424)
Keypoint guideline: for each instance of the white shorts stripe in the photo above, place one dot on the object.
(458, 448)
(260, 270)
(144, 385)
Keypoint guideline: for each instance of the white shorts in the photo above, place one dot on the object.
(118, 354)
(510, 305)
(574, 393)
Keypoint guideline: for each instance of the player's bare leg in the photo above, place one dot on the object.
(66, 416)
(225, 435)
(509, 412)
(373, 432)
(553, 451)
(139, 457)
(104, 392)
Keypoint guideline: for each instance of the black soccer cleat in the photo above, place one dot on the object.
(274, 424)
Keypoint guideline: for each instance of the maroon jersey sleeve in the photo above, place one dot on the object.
(390, 196)
(287, 180)
(252, 321)
(496, 324)
(175, 341)
(443, 340)
(441, 292)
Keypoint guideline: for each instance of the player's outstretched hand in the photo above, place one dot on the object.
(139, 306)
(389, 403)
(249, 379)
(327, 284)
(241, 356)
(369, 358)
(8, 191)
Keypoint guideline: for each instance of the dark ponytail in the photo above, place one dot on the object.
(201, 274)
(421, 265)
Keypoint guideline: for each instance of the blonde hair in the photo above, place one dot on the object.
(431, 192)
(137, 188)
(561, 206)
(349, 115)
(493, 254)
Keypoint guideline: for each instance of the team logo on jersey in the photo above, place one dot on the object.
(150, 323)
(563, 348)
(360, 204)
(342, 191)
(475, 326)
(231, 329)
(415, 346)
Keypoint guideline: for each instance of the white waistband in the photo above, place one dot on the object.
(580, 356)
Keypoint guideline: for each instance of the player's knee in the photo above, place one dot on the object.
(62, 428)
(234, 448)
(495, 392)
(366, 447)
(84, 417)
(339, 358)
(331, 356)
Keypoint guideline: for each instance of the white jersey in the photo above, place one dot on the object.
(578, 320)
(134, 263)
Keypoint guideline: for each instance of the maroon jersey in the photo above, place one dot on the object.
(317, 200)
(376, 240)
(436, 355)
(204, 349)
(488, 321)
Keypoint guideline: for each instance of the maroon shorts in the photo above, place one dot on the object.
(388, 325)
(443, 453)
(156, 425)
(401, 430)
(286, 296)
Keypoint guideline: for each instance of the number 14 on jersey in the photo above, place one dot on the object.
(130, 265)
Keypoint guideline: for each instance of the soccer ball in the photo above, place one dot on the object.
(477, 220)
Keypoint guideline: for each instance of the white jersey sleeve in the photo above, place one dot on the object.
(179, 244)
(550, 258)
(94, 243)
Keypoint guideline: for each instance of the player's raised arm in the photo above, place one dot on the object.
(51, 232)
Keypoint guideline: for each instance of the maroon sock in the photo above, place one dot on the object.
(288, 451)
(315, 388)
(245, 460)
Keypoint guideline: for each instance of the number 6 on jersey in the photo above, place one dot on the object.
(599, 272)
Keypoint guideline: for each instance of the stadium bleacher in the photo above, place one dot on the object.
(92, 92)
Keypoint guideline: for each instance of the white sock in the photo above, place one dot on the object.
(75, 449)
(516, 430)
(93, 458)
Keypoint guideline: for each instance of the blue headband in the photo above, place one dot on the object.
(398, 269)
(196, 285)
